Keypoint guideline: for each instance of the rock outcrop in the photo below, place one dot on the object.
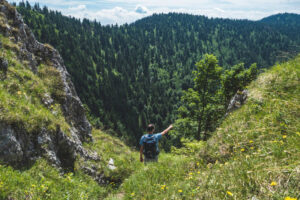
(237, 101)
(17, 147)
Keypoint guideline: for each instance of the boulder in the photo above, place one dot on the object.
(237, 101)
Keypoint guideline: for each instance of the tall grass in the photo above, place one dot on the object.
(23, 93)
(254, 154)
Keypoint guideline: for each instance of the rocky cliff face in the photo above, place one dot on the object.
(16, 146)
(237, 101)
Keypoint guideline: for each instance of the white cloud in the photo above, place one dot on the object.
(79, 8)
(116, 15)
(127, 11)
(141, 9)
(220, 10)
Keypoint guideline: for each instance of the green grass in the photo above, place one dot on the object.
(253, 154)
(109, 147)
(42, 181)
(255, 146)
(22, 93)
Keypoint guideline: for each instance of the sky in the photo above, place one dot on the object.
(128, 11)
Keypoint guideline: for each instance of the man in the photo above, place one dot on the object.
(149, 144)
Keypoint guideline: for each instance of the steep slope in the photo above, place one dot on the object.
(43, 181)
(254, 154)
(41, 114)
(46, 145)
(134, 74)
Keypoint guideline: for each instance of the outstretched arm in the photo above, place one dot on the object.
(141, 153)
(167, 130)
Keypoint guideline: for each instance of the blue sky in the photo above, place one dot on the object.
(127, 11)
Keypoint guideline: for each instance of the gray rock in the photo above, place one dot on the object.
(10, 147)
(237, 101)
(3, 64)
(99, 177)
(111, 164)
(17, 146)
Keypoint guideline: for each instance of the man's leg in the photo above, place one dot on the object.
(147, 160)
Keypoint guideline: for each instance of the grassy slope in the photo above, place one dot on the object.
(42, 181)
(22, 93)
(254, 153)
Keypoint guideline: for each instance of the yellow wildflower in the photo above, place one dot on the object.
(252, 148)
(229, 193)
(298, 133)
(198, 163)
(273, 183)
(132, 194)
(284, 136)
(242, 150)
(198, 172)
(191, 173)
(180, 191)
(251, 141)
(19, 92)
(289, 198)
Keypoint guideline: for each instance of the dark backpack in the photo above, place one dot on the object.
(150, 150)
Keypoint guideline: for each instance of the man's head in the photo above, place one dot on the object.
(150, 128)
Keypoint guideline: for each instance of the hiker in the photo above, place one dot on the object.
(149, 144)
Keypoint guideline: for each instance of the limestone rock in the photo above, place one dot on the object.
(111, 164)
(3, 64)
(17, 146)
(10, 148)
(237, 101)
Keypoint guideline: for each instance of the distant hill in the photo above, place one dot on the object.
(284, 19)
(286, 23)
(134, 74)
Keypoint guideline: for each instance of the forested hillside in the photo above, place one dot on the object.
(48, 149)
(134, 74)
(286, 23)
